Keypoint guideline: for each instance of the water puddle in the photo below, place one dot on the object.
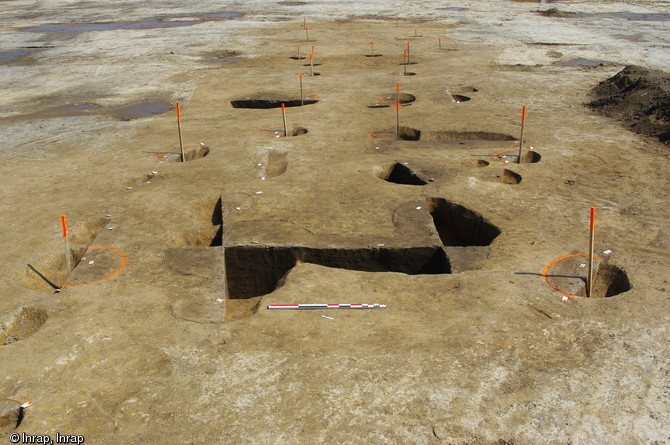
(154, 23)
(225, 59)
(640, 17)
(142, 109)
(14, 54)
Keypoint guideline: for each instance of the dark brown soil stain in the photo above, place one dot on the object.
(637, 97)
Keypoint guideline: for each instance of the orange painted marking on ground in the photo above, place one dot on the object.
(557, 260)
(498, 155)
(124, 262)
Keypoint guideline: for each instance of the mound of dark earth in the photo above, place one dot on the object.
(639, 98)
(555, 12)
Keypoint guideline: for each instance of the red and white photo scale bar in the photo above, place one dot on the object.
(329, 306)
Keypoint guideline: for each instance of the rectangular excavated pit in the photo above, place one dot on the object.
(459, 226)
(252, 271)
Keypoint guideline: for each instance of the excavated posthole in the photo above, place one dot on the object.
(449, 136)
(459, 226)
(510, 177)
(277, 163)
(11, 415)
(610, 281)
(479, 163)
(190, 154)
(278, 132)
(21, 324)
(265, 102)
(458, 98)
(252, 271)
(400, 174)
(403, 98)
(49, 271)
(461, 90)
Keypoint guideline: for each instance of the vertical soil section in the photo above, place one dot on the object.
(458, 226)
(252, 271)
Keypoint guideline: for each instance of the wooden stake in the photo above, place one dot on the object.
(408, 53)
(397, 120)
(397, 92)
(523, 119)
(302, 99)
(63, 222)
(372, 49)
(592, 233)
(283, 115)
(298, 51)
(181, 142)
(311, 64)
(404, 60)
(307, 32)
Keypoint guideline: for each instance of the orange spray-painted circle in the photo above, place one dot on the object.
(124, 261)
(556, 261)
(498, 156)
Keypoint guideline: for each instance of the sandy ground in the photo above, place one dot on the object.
(170, 340)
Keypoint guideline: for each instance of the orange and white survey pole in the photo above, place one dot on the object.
(302, 98)
(523, 120)
(311, 63)
(372, 49)
(63, 222)
(397, 120)
(181, 141)
(397, 92)
(404, 61)
(307, 33)
(592, 233)
(283, 115)
(408, 53)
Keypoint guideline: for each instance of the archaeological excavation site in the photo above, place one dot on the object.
(313, 222)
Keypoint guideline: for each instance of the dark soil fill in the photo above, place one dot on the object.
(264, 102)
(403, 98)
(637, 97)
(555, 12)
(412, 134)
(459, 226)
(142, 109)
(252, 271)
(400, 174)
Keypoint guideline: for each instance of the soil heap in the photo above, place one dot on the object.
(638, 97)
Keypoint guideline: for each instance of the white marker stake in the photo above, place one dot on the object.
(302, 98)
(329, 306)
(181, 141)
(592, 233)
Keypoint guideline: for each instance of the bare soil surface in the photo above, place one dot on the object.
(160, 331)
